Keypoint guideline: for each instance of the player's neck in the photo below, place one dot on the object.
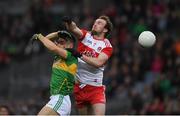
(99, 37)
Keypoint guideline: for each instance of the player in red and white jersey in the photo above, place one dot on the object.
(92, 47)
(96, 50)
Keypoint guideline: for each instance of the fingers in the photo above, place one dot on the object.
(34, 38)
(67, 19)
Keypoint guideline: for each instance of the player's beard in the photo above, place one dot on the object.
(93, 32)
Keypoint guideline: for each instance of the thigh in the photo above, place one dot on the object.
(80, 98)
(85, 110)
(98, 100)
(82, 110)
(98, 109)
(47, 111)
(97, 95)
(90, 99)
(60, 104)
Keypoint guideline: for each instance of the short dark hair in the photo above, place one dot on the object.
(108, 25)
(68, 37)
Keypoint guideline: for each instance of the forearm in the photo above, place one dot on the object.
(72, 27)
(52, 35)
(92, 61)
(47, 43)
(52, 47)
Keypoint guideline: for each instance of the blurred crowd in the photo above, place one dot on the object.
(138, 80)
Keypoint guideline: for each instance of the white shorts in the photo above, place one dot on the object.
(60, 103)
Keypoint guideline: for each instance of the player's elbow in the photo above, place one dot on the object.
(99, 64)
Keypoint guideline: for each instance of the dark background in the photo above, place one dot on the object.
(138, 80)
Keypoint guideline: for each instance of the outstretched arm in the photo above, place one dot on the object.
(51, 46)
(72, 27)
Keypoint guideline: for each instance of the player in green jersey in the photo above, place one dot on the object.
(63, 71)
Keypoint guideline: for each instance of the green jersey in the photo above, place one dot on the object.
(63, 74)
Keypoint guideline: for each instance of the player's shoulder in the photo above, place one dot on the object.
(85, 31)
(107, 42)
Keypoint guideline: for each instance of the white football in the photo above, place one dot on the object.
(147, 39)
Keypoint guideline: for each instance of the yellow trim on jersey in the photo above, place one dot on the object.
(62, 65)
(61, 85)
(65, 81)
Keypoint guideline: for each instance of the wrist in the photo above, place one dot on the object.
(40, 36)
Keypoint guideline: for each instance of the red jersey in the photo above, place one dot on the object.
(90, 46)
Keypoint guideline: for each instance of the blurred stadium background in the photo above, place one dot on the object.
(138, 80)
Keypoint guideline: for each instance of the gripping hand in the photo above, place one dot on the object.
(67, 19)
(35, 37)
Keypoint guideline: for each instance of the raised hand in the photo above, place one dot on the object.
(67, 19)
(35, 37)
